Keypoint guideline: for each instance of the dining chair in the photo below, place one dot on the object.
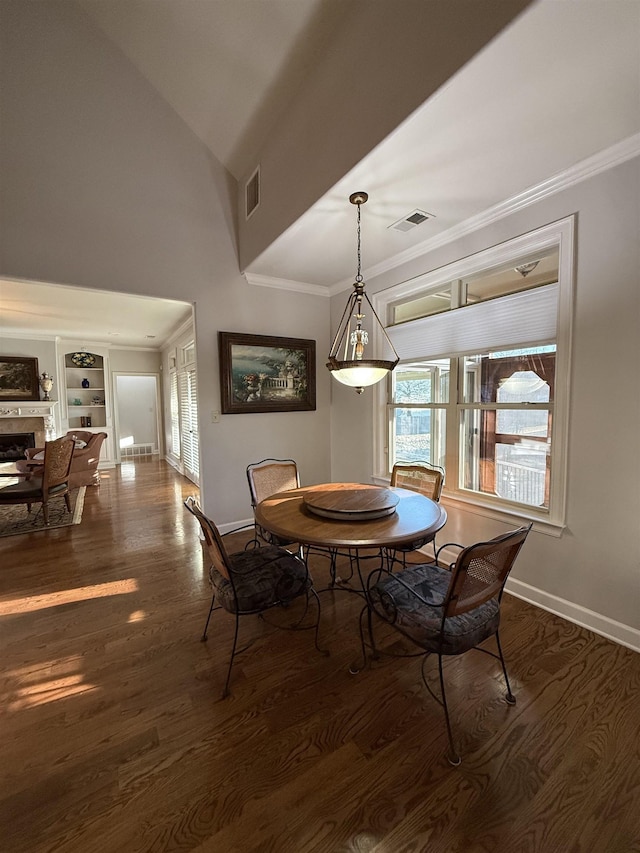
(446, 611)
(252, 582)
(428, 480)
(265, 479)
(51, 479)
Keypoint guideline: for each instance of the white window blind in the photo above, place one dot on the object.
(190, 449)
(518, 320)
(175, 415)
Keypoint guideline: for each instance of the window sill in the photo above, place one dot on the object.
(540, 525)
(473, 505)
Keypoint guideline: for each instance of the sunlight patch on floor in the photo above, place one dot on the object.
(66, 596)
(32, 695)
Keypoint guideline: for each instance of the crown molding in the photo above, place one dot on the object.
(286, 284)
(26, 334)
(617, 154)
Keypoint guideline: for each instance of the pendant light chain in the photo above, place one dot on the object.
(350, 361)
(359, 275)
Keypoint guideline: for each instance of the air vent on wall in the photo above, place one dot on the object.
(417, 217)
(252, 193)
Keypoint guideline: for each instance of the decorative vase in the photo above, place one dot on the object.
(85, 383)
(46, 383)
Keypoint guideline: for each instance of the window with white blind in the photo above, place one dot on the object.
(482, 387)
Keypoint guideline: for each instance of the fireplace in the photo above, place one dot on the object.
(22, 425)
(14, 444)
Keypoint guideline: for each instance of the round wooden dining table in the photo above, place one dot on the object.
(351, 515)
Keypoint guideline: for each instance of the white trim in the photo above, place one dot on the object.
(186, 328)
(611, 157)
(27, 334)
(286, 284)
(561, 234)
(235, 525)
(620, 633)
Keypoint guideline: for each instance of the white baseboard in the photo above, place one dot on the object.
(620, 633)
(230, 526)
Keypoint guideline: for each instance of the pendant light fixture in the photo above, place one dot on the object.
(350, 360)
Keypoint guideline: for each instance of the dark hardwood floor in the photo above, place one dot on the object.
(114, 737)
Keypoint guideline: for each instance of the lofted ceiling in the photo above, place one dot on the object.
(558, 86)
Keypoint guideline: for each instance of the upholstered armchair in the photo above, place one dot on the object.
(84, 462)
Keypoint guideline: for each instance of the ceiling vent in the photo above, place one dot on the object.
(252, 193)
(417, 217)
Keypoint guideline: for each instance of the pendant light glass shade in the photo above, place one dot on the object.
(351, 360)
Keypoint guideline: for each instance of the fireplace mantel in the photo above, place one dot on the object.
(31, 409)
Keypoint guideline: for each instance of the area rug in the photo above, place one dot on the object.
(16, 519)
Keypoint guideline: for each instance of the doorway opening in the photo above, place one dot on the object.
(136, 415)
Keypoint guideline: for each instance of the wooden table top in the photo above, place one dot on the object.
(286, 515)
(357, 504)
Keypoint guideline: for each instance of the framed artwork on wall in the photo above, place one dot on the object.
(18, 379)
(263, 373)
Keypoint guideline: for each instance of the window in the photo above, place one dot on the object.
(483, 386)
(418, 412)
(505, 424)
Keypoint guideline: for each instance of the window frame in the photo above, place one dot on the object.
(560, 235)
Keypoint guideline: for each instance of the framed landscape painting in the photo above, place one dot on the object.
(262, 373)
(18, 379)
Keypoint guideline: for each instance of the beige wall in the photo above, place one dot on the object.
(104, 186)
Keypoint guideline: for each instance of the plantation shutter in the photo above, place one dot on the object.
(174, 405)
(190, 445)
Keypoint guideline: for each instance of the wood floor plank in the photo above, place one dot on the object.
(115, 738)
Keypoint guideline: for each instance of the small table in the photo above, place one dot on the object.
(290, 515)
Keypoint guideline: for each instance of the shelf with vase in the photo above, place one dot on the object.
(86, 393)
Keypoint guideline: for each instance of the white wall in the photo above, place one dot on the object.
(591, 573)
(138, 409)
(104, 186)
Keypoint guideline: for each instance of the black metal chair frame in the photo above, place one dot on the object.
(214, 542)
(514, 539)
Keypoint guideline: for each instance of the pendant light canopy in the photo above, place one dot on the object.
(351, 361)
